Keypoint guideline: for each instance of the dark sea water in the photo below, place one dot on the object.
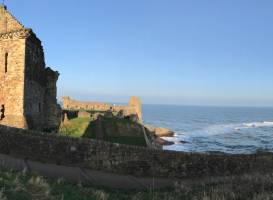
(214, 129)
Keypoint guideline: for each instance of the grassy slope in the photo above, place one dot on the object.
(75, 127)
(25, 186)
(118, 131)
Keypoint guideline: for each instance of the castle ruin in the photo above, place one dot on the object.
(133, 108)
(27, 87)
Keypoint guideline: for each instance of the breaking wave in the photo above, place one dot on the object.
(229, 138)
(259, 124)
(228, 128)
(215, 129)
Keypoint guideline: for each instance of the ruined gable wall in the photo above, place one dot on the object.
(12, 81)
(52, 111)
(27, 91)
(41, 108)
(7, 22)
(136, 104)
(133, 108)
(12, 46)
(70, 104)
(35, 82)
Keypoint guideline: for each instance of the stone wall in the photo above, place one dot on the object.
(12, 50)
(123, 159)
(8, 23)
(135, 103)
(27, 87)
(52, 110)
(34, 83)
(133, 108)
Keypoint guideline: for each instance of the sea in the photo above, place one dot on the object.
(233, 130)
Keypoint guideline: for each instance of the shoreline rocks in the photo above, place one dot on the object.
(163, 142)
(163, 132)
(158, 132)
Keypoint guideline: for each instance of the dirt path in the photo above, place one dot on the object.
(76, 174)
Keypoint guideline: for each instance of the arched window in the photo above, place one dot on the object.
(6, 62)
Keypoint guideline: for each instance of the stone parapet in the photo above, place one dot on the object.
(133, 107)
(125, 159)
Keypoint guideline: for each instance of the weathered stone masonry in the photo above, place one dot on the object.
(134, 106)
(124, 159)
(27, 86)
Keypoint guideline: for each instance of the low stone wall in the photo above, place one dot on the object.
(134, 106)
(123, 159)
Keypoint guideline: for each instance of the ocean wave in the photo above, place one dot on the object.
(226, 128)
(259, 124)
(214, 130)
(229, 138)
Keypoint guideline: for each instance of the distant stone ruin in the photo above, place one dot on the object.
(134, 106)
(27, 86)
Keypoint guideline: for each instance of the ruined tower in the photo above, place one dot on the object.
(27, 86)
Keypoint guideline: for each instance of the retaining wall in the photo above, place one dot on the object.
(124, 159)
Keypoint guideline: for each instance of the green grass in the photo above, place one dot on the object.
(116, 130)
(26, 186)
(75, 127)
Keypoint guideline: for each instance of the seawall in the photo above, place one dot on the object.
(123, 159)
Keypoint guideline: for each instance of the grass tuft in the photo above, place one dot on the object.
(26, 186)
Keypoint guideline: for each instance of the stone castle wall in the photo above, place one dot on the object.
(124, 159)
(35, 83)
(41, 109)
(28, 88)
(12, 78)
(133, 108)
(8, 23)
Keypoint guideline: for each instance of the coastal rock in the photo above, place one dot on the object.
(163, 142)
(159, 131)
(163, 132)
(150, 128)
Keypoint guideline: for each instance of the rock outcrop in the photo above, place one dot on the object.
(158, 132)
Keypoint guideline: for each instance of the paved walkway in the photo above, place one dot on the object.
(76, 174)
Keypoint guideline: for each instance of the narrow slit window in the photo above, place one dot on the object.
(6, 62)
(2, 112)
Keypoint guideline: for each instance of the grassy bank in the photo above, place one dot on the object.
(114, 130)
(75, 127)
(26, 186)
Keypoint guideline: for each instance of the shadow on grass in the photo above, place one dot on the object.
(115, 130)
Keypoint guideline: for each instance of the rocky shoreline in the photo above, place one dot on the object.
(157, 133)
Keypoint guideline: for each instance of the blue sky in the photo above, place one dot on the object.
(201, 52)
